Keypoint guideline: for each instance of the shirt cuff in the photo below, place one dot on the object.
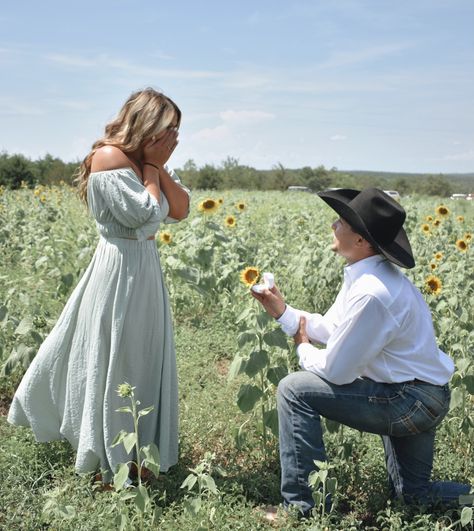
(290, 320)
(305, 352)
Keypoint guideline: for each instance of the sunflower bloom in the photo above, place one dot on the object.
(462, 245)
(433, 285)
(249, 276)
(425, 228)
(442, 210)
(436, 222)
(220, 200)
(438, 256)
(230, 221)
(208, 206)
(460, 219)
(433, 266)
(468, 236)
(429, 218)
(240, 206)
(165, 237)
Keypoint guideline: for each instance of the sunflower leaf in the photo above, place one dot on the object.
(248, 396)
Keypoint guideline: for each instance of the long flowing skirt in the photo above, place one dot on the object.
(115, 328)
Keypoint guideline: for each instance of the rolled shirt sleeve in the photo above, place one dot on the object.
(318, 327)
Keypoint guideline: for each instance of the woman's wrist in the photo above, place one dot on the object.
(158, 167)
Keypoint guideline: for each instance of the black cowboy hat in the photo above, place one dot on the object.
(376, 217)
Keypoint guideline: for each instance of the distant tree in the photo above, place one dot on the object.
(316, 178)
(402, 185)
(280, 177)
(189, 174)
(51, 170)
(435, 185)
(14, 169)
(208, 178)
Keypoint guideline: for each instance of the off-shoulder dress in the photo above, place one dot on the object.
(116, 327)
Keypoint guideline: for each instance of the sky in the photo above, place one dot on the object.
(377, 85)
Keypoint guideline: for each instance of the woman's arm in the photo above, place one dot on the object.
(157, 177)
(178, 198)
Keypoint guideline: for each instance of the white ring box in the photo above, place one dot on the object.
(268, 283)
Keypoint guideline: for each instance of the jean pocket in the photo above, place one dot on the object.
(417, 419)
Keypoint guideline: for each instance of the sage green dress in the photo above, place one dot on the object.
(115, 328)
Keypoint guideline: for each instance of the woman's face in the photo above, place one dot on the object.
(173, 124)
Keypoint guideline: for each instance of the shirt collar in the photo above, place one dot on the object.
(354, 271)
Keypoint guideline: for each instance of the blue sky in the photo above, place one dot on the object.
(355, 84)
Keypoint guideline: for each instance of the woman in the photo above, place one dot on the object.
(116, 326)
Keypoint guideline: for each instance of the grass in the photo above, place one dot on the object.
(40, 250)
(32, 472)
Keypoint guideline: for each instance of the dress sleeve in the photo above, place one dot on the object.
(130, 203)
(177, 180)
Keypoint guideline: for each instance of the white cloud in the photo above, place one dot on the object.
(105, 61)
(12, 108)
(466, 155)
(337, 138)
(350, 57)
(245, 117)
(213, 134)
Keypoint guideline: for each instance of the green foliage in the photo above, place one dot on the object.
(15, 171)
(226, 349)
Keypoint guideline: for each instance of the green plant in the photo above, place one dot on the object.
(203, 487)
(263, 368)
(324, 489)
(146, 456)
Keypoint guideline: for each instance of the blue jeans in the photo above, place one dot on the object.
(404, 414)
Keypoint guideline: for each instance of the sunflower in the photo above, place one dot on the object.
(436, 222)
(429, 218)
(425, 228)
(433, 285)
(462, 245)
(433, 266)
(208, 206)
(468, 236)
(230, 221)
(438, 256)
(442, 210)
(240, 206)
(249, 276)
(165, 237)
(460, 219)
(220, 200)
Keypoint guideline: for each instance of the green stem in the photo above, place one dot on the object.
(264, 431)
(137, 445)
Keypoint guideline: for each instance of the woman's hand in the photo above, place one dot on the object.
(158, 150)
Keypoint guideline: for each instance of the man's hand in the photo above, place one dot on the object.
(272, 300)
(301, 336)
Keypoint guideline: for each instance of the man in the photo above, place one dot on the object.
(380, 371)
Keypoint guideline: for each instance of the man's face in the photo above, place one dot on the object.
(344, 240)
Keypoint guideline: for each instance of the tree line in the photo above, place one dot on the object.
(16, 169)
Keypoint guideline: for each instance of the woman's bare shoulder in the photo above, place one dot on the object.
(109, 158)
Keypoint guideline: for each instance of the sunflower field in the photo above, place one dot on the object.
(231, 357)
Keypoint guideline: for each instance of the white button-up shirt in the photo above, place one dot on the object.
(379, 327)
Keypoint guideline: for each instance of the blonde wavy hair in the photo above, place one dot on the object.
(146, 113)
